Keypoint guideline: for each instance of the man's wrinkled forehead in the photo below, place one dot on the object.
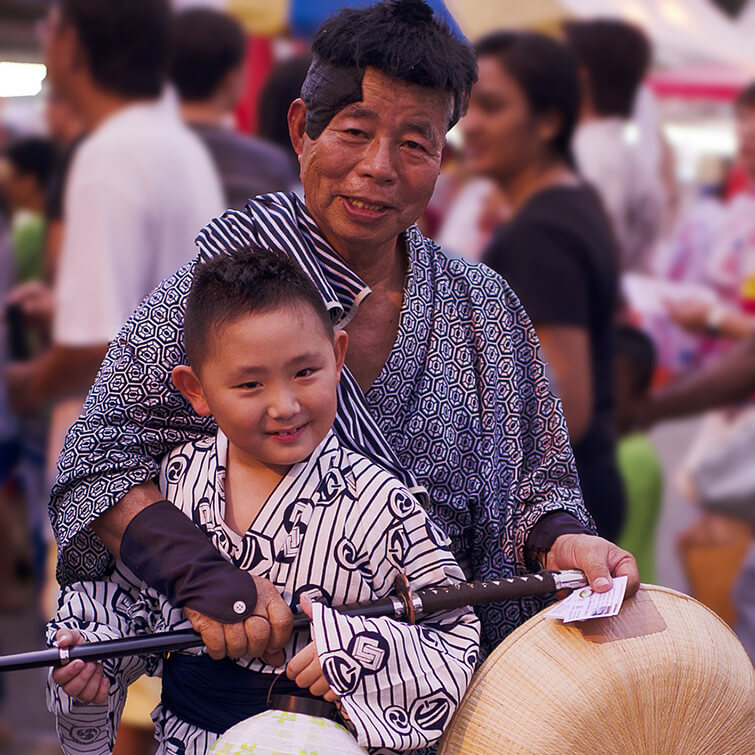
(328, 89)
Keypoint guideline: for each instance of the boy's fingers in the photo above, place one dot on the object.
(77, 685)
(64, 674)
(92, 687)
(320, 687)
(308, 676)
(68, 637)
(330, 696)
(102, 692)
(300, 661)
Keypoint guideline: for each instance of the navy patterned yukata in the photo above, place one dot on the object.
(461, 410)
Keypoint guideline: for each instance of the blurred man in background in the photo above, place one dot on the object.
(208, 72)
(140, 187)
(614, 57)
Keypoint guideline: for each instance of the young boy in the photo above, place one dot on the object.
(279, 496)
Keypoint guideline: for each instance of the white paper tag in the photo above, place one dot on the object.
(585, 604)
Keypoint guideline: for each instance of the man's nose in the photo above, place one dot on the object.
(379, 161)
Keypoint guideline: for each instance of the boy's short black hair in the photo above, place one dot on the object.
(637, 352)
(546, 71)
(207, 45)
(402, 39)
(252, 280)
(127, 42)
(616, 55)
(33, 156)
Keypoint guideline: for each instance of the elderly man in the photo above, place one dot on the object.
(443, 384)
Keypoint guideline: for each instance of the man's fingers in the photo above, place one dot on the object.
(212, 633)
(276, 658)
(236, 643)
(281, 623)
(258, 635)
(626, 566)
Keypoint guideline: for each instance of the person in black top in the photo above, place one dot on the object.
(557, 251)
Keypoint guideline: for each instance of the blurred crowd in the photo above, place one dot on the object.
(559, 177)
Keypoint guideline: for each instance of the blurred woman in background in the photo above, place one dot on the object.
(557, 251)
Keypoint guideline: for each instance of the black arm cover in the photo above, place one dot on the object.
(163, 547)
(544, 534)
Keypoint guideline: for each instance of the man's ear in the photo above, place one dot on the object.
(186, 380)
(340, 342)
(297, 122)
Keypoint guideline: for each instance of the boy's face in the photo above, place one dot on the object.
(270, 380)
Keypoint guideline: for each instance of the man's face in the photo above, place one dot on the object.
(372, 171)
(270, 382)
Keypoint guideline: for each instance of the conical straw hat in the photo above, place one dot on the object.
(664, 677)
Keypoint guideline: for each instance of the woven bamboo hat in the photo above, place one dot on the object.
(664, 677)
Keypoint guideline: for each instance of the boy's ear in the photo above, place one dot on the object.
(186, 380)
(340, 342)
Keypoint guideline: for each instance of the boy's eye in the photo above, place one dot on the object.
(306, 372)
(250, 385)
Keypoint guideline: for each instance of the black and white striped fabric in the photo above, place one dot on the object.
(337, 528)
(462, 407)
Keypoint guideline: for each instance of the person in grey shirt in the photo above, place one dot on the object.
(207, 70)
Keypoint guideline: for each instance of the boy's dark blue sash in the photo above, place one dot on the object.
(215, 695)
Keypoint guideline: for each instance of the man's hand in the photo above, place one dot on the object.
(305, 669)
(262, 635)
(598, 558)
(80, 679)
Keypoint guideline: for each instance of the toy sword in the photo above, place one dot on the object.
(404, 605)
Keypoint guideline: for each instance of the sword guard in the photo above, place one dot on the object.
(404, 594)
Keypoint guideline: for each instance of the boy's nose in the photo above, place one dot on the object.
(284, 404)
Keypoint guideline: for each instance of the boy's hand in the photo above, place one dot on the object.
(80, 679)
(262, 635)
(305, 669)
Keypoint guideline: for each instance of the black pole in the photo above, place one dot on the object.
(422, 602)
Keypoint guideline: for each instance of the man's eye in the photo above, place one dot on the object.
(354, 132)
(415, 146)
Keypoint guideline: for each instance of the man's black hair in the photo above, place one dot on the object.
(546, 71)
(746, 98)
(616, 56)
(126, 43)
(33, 156)
(400, 38)
(207, 45)
(249, 281)
(637, 352)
